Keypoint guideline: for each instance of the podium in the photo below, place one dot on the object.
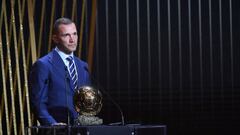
(131, 129)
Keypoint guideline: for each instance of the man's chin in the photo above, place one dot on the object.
(69, 51)
(72, 49)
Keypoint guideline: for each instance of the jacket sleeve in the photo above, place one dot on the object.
(38, 82)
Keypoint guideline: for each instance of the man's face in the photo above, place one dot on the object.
(66, 38)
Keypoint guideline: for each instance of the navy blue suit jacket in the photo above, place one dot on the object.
(51, 89)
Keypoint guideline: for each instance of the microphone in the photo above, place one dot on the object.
(66, 90)
(66, 72)
(46, 81)
(111, 99)
(118, 107)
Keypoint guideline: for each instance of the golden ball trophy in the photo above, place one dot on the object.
(88, 103)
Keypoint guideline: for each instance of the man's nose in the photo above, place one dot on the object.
(71, 39)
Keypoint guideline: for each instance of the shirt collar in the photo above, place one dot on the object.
(62, 54)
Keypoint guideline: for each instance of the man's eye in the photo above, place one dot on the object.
(64, 35)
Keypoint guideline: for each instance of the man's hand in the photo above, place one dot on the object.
(59, 124)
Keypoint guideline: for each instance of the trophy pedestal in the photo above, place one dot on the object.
(84, 120)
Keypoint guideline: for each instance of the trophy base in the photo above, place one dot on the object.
(84, 120)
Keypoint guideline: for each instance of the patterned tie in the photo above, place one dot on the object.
(73, 72)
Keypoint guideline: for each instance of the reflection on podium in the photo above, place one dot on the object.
(131, 129)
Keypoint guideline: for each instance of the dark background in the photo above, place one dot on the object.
(173, 62)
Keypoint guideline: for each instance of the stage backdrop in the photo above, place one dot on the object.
(172, 62)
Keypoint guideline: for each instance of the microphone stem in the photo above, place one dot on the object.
(109, 96)
(67, 89)
(118, 107)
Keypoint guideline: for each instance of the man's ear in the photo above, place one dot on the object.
(54, 38)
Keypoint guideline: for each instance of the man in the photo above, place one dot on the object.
(54, 77)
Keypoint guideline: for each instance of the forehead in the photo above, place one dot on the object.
(67, 28)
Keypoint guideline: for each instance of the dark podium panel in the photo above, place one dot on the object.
(102, 130)
(150, 130)
(98, 130)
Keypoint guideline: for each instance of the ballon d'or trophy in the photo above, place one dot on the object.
(88, 103)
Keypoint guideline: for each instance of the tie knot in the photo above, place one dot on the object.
(70, 58)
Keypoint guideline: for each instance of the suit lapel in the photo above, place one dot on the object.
(59, 66)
